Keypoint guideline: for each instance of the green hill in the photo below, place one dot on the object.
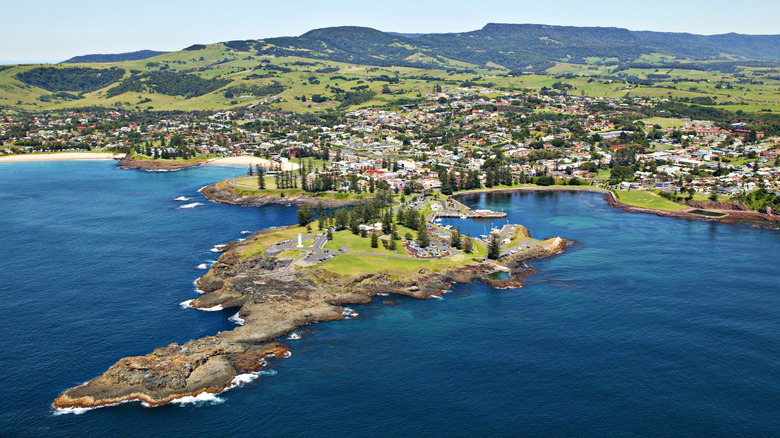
(115, 57)
(351, 67)
(520, 46)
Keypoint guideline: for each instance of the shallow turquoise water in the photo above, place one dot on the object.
(645, 326)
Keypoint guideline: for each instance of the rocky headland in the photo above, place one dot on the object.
(220, 192)
(128, 162)
(274, 299)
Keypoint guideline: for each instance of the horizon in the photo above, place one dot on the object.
(23, 62)
(60, 31)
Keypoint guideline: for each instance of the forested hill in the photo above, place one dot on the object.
(114, 57)
(520, 46)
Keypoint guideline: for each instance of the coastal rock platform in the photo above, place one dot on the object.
(274, 300)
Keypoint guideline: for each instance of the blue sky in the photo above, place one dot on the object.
(52, 31)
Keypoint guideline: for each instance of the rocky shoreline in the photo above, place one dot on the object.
(128, 162)
(218, 192)
(274, 301)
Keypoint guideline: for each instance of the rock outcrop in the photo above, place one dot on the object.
(274, 300)
(128, 162)
(205, 365)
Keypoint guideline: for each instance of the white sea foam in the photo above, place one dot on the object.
(192, 205)
(437, 297)
(197, 288)
(294, 336)
(202, 398)
(384, 295)
(348, 313)
(79, 411)
(181, 198)
(201, 188)
(216, 308)
(237, 319)
(217, 247)
(186, 304)
(74, 411)
(242, 379)
(246, 232)
(203, 266)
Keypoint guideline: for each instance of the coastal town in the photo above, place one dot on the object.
(457, 139)
(407, 219)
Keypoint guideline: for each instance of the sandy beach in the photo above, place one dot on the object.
(63, 156)
(248, 159)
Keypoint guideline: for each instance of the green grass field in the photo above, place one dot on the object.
(259, 245)
(647, 199)
(361, 244)
(665, 122)
(356, 264)
(216, 60)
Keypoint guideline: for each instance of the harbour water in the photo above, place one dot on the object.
(645, 326)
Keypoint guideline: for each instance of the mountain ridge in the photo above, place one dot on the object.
(113, 57)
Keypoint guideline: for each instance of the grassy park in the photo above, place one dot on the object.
(648, 199)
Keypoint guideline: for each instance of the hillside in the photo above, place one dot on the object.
(114, 57)
(520, 46)
(350, 67)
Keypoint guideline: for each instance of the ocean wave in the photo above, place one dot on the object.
(294, 336)
(201, 188)
(218, 248)
(348, 313)
(438, 297)
(73, 411)
(216, 308)
(79, 411)
(197, 288)
(192, 205)
(202, 398)
(186, 304)
(243, 379)
(203, 266)
(181, 198)
(246, 232)
(236, 319)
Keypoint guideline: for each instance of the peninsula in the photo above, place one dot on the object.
(282, 279)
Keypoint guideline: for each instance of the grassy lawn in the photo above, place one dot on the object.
(264, 241)
(356, 264)
(647, 199)
(361, 244)
(602, 174)
(308, 160)
(289, 254)
(518, 235)
(665, 122)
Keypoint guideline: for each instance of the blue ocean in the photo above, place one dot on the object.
(645, 326)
